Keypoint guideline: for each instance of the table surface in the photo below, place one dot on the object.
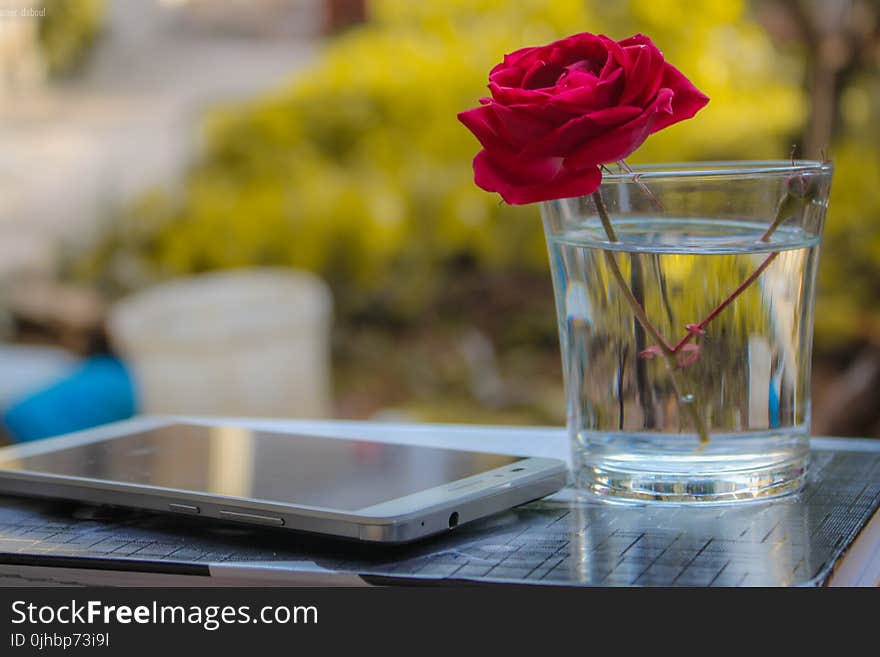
(566, 539)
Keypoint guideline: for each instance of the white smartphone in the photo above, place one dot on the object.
(369, 491)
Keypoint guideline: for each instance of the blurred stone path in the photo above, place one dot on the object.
(70, 151)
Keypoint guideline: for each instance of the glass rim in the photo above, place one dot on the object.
(719, 169)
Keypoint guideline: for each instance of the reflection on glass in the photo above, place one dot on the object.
(752, 545)
(236, 462)
(231, 461)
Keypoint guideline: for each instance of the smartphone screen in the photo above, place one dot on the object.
(330, 473)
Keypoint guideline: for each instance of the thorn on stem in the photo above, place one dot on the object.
(650, 352)
(645, 189)
(688, 355)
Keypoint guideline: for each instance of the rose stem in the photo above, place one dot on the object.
(639, 312)
(646, 396)
(636, 179)
(661, 278)
(781, 214)
(664, 296)
(615, 270)
(727, 301)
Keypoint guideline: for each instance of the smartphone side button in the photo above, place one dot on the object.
(184, 508)
(252, 518)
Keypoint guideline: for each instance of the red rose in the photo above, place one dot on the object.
(559, 111)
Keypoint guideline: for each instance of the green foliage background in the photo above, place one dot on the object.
(68, 31)
(359, 170)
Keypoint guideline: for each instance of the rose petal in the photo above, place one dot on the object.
(612, 64)
(637, 39)
(565, 139)
(549, 114)
(506, 76)
(511, 166)
(511, 95)
(608, 88)
(481, 121)
(576, 79)
(518, 128)
(643, 74)
(522, 58)
(614, 50)
(612, 116)
(587, 66)
(578, 47)
(620, 142)
(560, 110)
(687, 100)
(495, 174)
(576, 93)
(568, 184)
(542, 75)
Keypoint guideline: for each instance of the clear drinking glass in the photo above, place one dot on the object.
(684, 296)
